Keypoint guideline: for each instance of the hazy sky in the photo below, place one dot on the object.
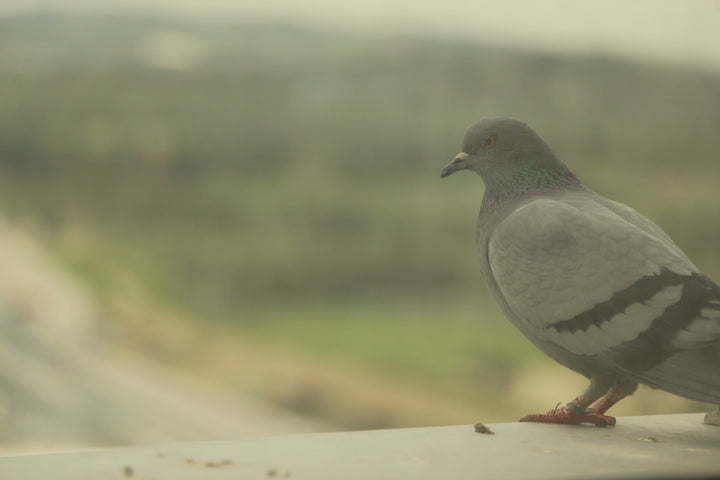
(687, 31)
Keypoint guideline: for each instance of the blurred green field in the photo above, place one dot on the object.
(285, 183)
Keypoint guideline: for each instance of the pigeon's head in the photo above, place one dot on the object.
(498, 148)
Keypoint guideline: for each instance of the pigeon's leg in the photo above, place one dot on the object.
(616, 393)
(577, 411)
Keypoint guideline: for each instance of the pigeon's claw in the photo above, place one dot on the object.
(571, 415)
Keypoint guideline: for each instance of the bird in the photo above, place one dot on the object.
(591, 282)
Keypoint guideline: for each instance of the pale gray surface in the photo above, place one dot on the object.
(668, 446)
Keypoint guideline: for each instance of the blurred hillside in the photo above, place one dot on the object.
(65, 382)
(283, 184)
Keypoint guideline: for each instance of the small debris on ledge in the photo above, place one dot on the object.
(480, 428)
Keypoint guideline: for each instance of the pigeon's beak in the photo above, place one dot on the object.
(457, 164)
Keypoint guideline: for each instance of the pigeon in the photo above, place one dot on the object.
(594, 284)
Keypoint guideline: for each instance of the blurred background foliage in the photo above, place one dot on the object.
(282, 185)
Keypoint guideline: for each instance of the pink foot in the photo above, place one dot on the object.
(570, 415)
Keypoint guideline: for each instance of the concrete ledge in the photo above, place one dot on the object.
(666, 446)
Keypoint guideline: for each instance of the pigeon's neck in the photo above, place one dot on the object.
(523, 181)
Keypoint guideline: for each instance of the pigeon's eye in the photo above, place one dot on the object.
(489, 141)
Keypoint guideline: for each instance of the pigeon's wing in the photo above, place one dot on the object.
(600, 284)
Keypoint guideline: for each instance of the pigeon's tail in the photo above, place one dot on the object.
(692, 369)
(690, 374)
